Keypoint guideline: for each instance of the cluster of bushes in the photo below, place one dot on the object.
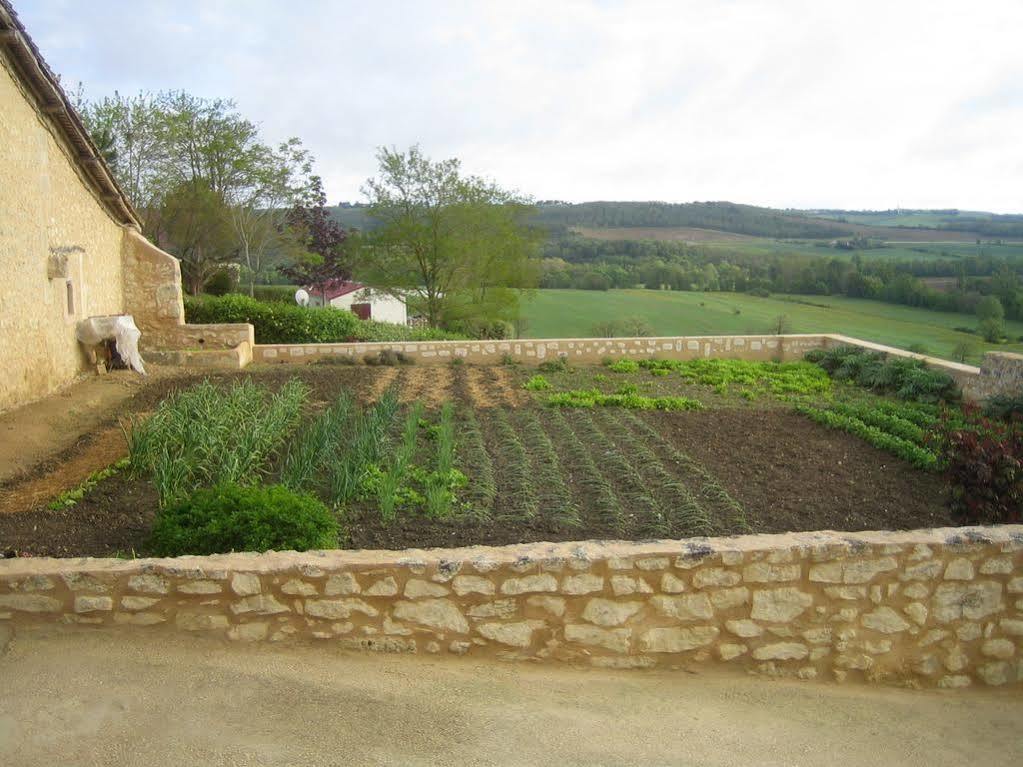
(281, 323)
(983, 462)
(906, 378)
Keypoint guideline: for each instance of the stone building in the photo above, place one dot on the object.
(70, 246)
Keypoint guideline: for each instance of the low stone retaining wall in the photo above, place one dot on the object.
(926, 608)
(576, 350)
(1000, 373)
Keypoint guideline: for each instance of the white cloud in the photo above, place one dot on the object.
(802, 104)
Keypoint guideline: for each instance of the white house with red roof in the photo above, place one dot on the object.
(362, 300)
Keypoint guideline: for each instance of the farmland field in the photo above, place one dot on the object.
(573, 313)
(411, 456)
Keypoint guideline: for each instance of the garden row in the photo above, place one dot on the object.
(277, 471)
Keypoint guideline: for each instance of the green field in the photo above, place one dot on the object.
(573, 313)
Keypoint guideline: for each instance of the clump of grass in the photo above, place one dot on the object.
(684, 515)
(514, 466)
(475, 460)
(69, 498)
(398, 467)
(308, 455)
(554, 497)
(906, 378)
(648, 517)
(208, 435)
(438, 492)
(709, 493)
(624, 366)
(581, 463)
(363, 447)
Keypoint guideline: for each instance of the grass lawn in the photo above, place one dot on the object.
(573, 313)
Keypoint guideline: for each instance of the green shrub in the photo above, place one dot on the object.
(556, 365)
(275, 294)
(623, 366)
(281, 323)
(1005, 407)
(208, 435)
(907, 378)
(537, 383)
(230, 517)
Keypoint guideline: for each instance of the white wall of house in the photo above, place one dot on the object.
(383, 307)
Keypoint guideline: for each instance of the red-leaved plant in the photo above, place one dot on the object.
(983, 463)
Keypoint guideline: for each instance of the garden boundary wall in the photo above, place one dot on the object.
(930, 608)
(999, 373)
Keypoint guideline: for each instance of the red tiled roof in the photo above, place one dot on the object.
(335, 289)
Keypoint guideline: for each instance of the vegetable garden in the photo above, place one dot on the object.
(397, 456)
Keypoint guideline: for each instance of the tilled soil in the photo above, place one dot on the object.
(792, 474)
(778, 472)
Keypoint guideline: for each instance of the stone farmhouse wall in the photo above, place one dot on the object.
(934, 608)
(60, 251)
(65, 257)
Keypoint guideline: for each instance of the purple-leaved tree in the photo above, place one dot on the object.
(323, 257)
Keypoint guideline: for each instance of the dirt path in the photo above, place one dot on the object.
(35, 433)
(160, 699)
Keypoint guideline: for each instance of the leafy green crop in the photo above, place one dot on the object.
(903, 448)
(588, 398)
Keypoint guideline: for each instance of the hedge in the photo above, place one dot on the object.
(280, 323)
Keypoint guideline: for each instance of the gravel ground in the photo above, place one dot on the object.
(99, 698)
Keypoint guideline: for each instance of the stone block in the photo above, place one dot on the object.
(416, 588)
(245, 584)
(885, 620)
(616, 640)
(200, 622)
(340, 584)
(955, 601)
(553, 605)
(689, 607)
(519, 634)
(440, 614)
(714, 576)
(780, 605)
(138, 603)
(299, 588)
(530, 584)
(337, 609)
(500, 608)
(248, 632)
(385, 587)
(726, 599)
(744, 628)
(677, 639)
(672, 584)
(763, 572)
(609, 612)
(200, 587)
(472, 584)
(584, 583)
(148, 584)
(88, 604)
(30, 603)
(781, 651)
(959, 569)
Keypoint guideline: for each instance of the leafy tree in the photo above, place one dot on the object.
(992, 318)
(194, 218)
(458, 247)
(964, 350)
(322, 256)
(170, 150)
(780, 325)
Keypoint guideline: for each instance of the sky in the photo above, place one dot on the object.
(819, 104)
